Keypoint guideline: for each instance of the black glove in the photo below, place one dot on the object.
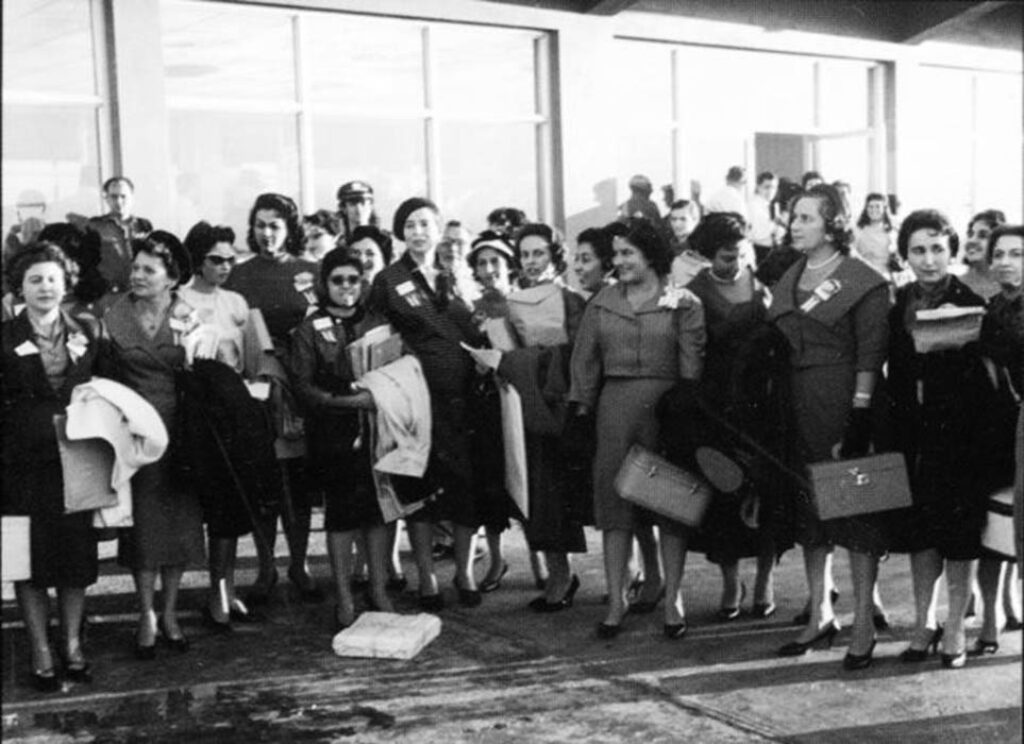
(578, 434)
(681, 398)
(857, 436)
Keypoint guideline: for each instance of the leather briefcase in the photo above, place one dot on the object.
(846, 488)
(654, 483)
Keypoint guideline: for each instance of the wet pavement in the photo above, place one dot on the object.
(500, 673)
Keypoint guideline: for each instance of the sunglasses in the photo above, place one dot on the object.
(346, 280)
(221, 260)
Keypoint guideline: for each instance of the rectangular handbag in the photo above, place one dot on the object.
(946, 328)
(654, 483)
(998, 534)
(847, 488)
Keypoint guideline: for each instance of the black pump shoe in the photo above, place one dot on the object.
(180, 645)
(217, 626)
(541, 604)
(798, 648)
(674, 631)
(853, 662)
(983, 648)
(78, 671)
(916, 655)
(46, 680)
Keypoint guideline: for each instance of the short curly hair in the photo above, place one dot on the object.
(601, 241)
(716, 231)
(999, 232)
(288, 211)
(556, 244)
(647, 239)
(832, 208)
(926, 219)
(202, 237)
(40, 252)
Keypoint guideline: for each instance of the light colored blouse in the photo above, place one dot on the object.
(228, 312)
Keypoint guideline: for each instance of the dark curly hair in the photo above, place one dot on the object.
(647, 239)
(83, 247)
(166, 247)
(716, 231)
(286, 210)
(203, 236)
(332, 260)
(926, 219)
(601, 241)
(378, 236)
(556, 245)
(831, 207)
(40, 252)
(1000, 232)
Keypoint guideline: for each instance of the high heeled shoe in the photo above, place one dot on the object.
(954, 661)
(467, 597)
(1012, 624)
(46, 680)
(804, 617)
(261, 592)
(763, 610)
(607, 631)
(306, 588)
(145, 652)
(727, 614)
(492, 585)
(431, 602)
(674, 631)
(541, 604)
(179, 644)
(798, 648)
(646, 607)
(913, 655)
(983, 648)
(853, 662)
(78, 671)
(880, 620)
(217, 626)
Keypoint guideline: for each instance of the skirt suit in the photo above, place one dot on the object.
(168, 519)
(940, 402)
(829, 344)
(38, 377)
(623, 362)
(338, 454)
(433, 323)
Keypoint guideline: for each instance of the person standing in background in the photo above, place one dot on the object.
(764, 230)
(355, 207)
(117, 228)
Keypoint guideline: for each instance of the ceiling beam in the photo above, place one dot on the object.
(605, 7)
(941, 18)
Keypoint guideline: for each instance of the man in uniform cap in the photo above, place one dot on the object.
(355, 206)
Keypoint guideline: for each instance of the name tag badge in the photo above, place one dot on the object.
(303, 282)
(322, 323)
(413, 298)
(329, 336)
(405, 288)
(310, 296)
(26, 349)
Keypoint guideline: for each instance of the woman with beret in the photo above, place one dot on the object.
(280, 283)
(638, 339)
(742, 387)
(338, 457)
(1002, 343)
(832, 311)
(46, 352)
(419, 301)
(939, 399)
(144, 333)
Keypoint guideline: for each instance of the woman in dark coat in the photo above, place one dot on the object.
(832, 310)
(1002, 343)
(742, 389)
(338, 448)
(46, 353)
(418, 300)
(939, 402)
(144, 334)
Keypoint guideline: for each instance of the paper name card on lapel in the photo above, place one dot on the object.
(387, 635)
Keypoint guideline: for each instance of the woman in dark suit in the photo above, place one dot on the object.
(46, 353)
(419, 301)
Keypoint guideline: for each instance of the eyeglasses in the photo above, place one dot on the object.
(345, 280)
(221, 260)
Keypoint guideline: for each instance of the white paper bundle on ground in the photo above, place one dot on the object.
(387, 635)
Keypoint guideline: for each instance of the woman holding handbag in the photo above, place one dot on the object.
(832, 311)
(46, 353)
(638, 339)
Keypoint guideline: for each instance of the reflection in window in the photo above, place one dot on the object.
(222, 161)
(222, 52)
(53, 150)
(487, 165)
(347, 69)
(484, 70)
(47, 46)
(387, 154)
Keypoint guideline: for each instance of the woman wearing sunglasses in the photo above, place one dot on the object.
(211, 249)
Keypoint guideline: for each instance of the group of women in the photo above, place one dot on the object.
(819, 366)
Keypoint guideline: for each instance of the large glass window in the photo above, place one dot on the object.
(52, 105)
(303, 101)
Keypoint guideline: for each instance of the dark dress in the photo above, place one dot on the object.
(541, 376)
(337, 448)
(829, 345)
(63, 546)
(433, 324)
(744, 389)
(956, 434)
(168, 519)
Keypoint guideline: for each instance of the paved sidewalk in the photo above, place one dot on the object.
(500, 673)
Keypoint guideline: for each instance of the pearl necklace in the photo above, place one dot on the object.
(824, 263)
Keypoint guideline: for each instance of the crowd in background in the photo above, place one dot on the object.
(778, 329)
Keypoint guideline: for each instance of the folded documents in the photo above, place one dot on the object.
(387, 635)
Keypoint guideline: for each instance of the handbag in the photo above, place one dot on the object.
(847, 488)
(946, 328)
(17, 553)
(654, 483)
(997, 536)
